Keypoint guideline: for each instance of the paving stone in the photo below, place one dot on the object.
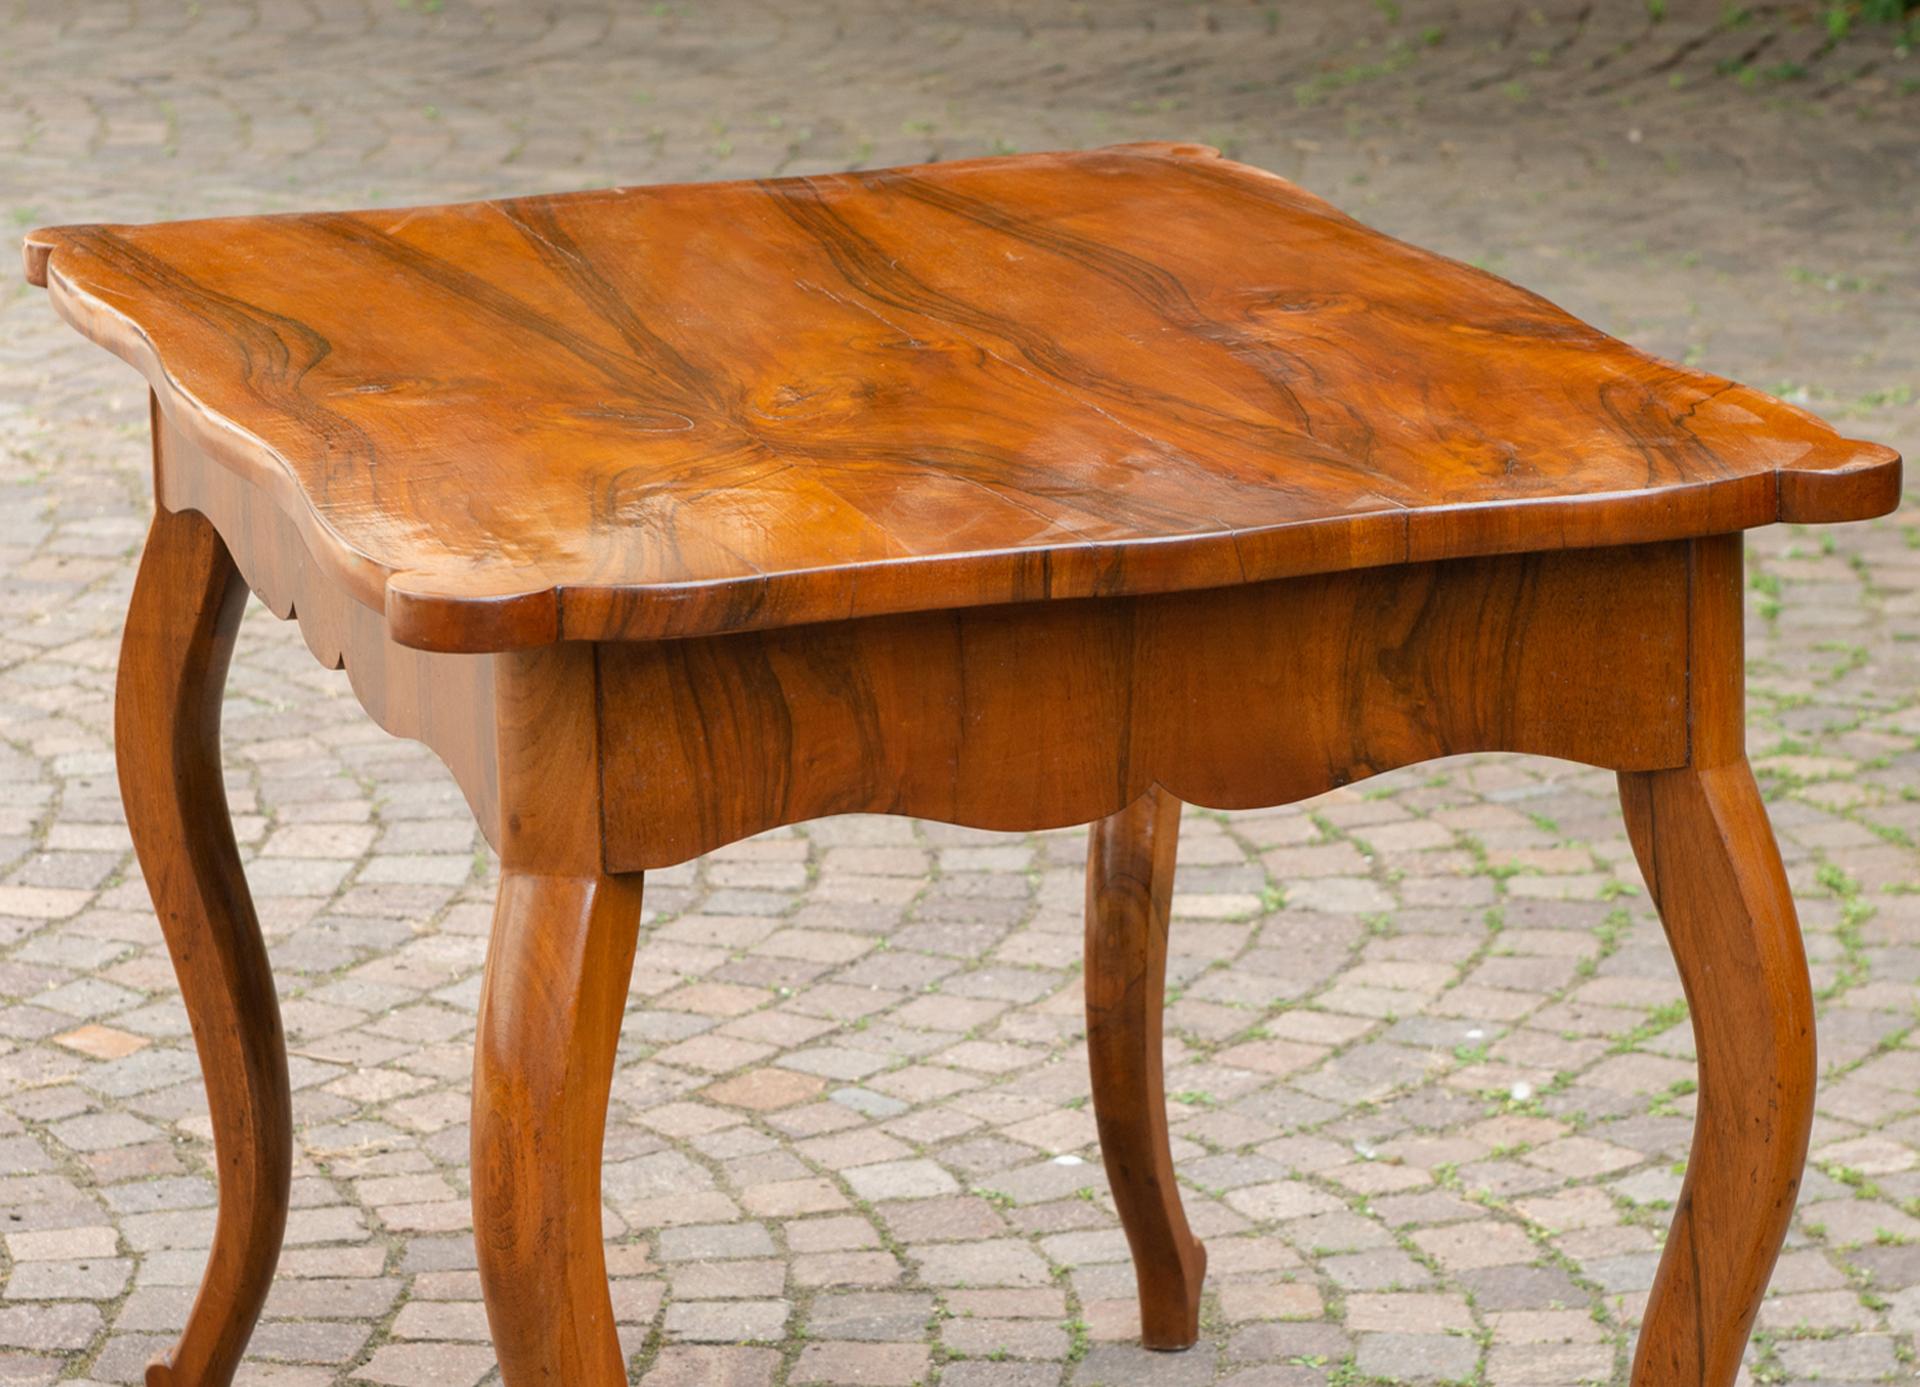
(882, 1365)
(703, 1365)
(1416, 1357)
(713, 1242)
(1424, 1314)
(1111, 1365)
(989, 1374)
(901, 1180)
(97, 1280)
(426, 1365)
(1532, 1365)
(1471, 1246)
(727, 1321)
(63, 1244)
(765, 1089)
(1006, 1338)
(70, 1326)
(892, 1316)
(992, 1262)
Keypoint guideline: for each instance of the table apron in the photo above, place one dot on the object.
(1051, 714)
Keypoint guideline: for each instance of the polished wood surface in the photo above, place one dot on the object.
(1130, 862)
(552, 997)
(1708, 855)
(1333, 678)
(1014, 493)
(556, 988)
(674, 411)
(186, 607)
(1714, 872)
(443, 700)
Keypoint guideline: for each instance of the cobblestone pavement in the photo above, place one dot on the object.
(1430, 1063)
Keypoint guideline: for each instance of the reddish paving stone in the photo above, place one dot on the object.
(763, 1090)
(703, 1365)
(862, 1365)
(426, 1365)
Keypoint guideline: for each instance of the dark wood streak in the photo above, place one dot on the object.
(276, 351)
(1657, 434)
(1134, 274)
(466, 292)
(573, 264)
(1684, 1218)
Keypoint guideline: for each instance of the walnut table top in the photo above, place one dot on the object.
(645, 412)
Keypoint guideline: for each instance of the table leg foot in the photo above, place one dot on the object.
(187, 602)
(1714, 872)
(1129, 891)
(556, 985)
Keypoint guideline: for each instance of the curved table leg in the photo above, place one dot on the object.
(1714, 871)
(187, 602)
(1129, 890)
(556, 985)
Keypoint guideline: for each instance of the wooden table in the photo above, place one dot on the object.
(1015, 493)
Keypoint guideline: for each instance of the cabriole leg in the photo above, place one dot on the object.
(1713, 869)
(1129, 892)
(556, 985)
(187, 601)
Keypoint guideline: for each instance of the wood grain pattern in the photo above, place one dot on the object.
(1059, 713)
(187, 603)
(555, 988)
(1130, 864)
(443, 700)
(1709, 858)
(677, 411)
(558, 966)
(1714, 872)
